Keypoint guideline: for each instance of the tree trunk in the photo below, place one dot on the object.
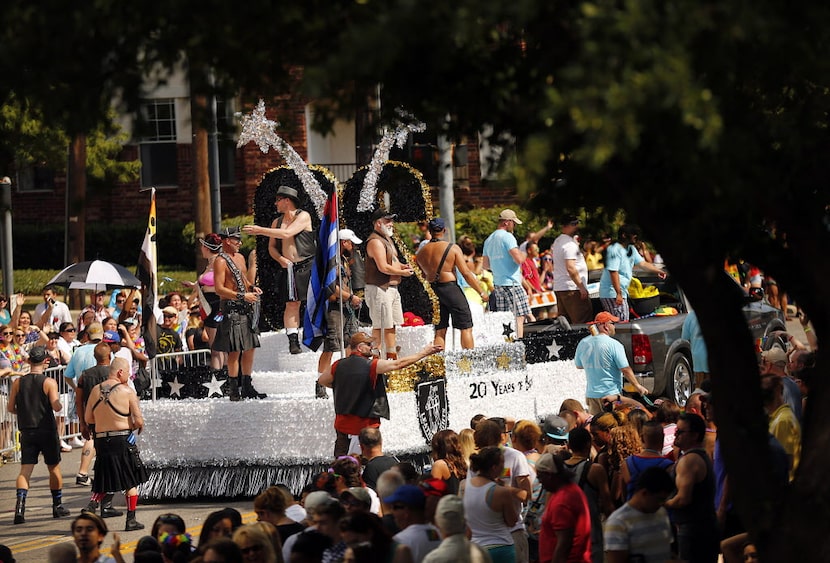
(201, 178)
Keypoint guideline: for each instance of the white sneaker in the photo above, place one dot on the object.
(65, 447)
(77, 442)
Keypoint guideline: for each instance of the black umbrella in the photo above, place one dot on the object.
(96, 274)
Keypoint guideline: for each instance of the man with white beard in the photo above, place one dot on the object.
(383, 274)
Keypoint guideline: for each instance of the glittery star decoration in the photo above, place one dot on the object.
(507, 332)
(553, 350)
(503, 361)
(465, 365)
(257, 128)
(176, 387)
(214, 386)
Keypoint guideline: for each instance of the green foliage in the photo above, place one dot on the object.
(248, 242)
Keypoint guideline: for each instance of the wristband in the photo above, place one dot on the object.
(240, 296)
(807, 329)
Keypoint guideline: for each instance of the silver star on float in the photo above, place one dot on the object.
(213, 386)
(257, 128)
(553, 350)
(176, 387)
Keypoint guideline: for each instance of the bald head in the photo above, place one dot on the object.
(120, 368)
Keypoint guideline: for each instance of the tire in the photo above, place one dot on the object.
(679, 378)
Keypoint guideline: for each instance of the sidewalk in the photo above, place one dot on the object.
(30, 542)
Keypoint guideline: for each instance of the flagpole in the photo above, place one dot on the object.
(339, 275)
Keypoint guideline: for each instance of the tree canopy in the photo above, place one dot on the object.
(706, 121)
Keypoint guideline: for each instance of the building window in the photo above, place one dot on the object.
(158, 143)
(35, 178)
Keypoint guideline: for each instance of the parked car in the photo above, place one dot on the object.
(660, 358)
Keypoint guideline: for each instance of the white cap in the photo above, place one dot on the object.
(348, 234)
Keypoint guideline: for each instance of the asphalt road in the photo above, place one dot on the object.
(30, 542)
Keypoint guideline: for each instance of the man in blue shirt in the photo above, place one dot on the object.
(605, 364)
(503, 257)
(620, 259)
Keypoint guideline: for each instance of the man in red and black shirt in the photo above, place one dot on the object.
(357, 388)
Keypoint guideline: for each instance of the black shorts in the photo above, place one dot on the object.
(302, 276)
(214, 302)
(453, 302)
(35, 442)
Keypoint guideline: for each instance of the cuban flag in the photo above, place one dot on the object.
(323, 277)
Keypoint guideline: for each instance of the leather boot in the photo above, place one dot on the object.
(19, 511)
(320, 391)
(91, 506)
(107, 511)
(294, 343)
(248, 391)
(132, 523)
(59, 511)
(233, 389)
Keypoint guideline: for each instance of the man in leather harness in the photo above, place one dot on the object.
(439, 259)
(34, 398)
(383, 274)
(360, 389)
(238, 333)
(293, 245)
(112, 413)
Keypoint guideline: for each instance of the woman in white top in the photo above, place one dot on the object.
(489, 507)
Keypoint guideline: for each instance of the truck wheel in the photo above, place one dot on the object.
(680, 378)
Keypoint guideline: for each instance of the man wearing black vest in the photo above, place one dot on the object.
(360, 391)
(34, 398)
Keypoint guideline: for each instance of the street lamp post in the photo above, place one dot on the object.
(6, 255)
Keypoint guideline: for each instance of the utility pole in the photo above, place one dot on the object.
(7, 257)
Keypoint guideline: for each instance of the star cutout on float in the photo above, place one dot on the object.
(465, 365)
(214, 386)
(553, 350)
(156, 382)
(176, 387)
(503, 361)
(508, 330)
(257, 128)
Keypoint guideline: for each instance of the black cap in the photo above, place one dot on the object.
(231, 232)
(290, 193)
(38, 355)
(381, 213)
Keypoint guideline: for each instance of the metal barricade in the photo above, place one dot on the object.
(173, 362)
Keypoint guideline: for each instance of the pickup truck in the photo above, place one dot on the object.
(660, 358)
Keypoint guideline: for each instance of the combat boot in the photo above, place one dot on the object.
(320, 391)
(107, 510)
(91, 507)
(294, 343)
(59, 511)
(248, 391)
(19, 511)
(233, 389)
(132, 523)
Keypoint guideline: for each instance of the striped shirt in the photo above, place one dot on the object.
(647, 535)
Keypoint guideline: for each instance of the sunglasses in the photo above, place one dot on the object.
(120, 300)
(169, 316)
(21, 335)
(69, 330)
(7, 333)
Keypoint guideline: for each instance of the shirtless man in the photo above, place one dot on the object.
(439, 259)
(383, 274)
(112, 411)
(237, 334)
(293, 245)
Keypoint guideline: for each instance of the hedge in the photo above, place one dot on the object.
(31, 282)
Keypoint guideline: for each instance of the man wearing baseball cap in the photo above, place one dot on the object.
(408, 507)
(503, 257)
(604, 361)
(360, 390)
(341, 317)
(439, 259)
(34, 398)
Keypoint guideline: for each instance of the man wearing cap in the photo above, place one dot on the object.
(566, 523)
(570, 274)
(237, 334)
(774, 363)
(383, 274)
(356, 499)
(439, 260)
(84, 356)
(359, 389)
(454, 547)
(605, 364)
(341, 318)
(555, 435)
(34, 398)
(408, 503)
(112, 413)
(293, 245)
(503, 257)
(620, 259)
(88, 379)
